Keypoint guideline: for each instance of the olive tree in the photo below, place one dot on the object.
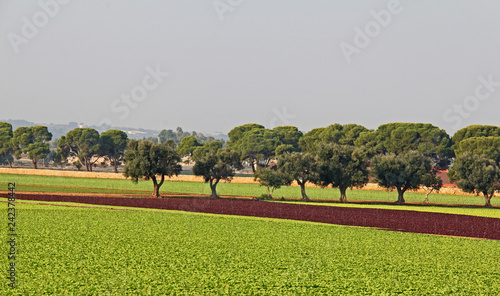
(405, 171)
(476, 174)
(342, 166)
(148, 160)
(298, 167)
(271, 179)
(431, 182)
(215, 163)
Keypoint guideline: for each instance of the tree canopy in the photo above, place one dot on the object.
(271, 179)
(487, 146)
(342, 166)
(404, 171)
(148, 160)
(399, 138)
(476, 174)
(113, 143)
(254, 143)
(334, 134)
(289, 137)
(299, 167)
(187, 146)
(178, 135)
(215, 163)
(238, 132)
(32, 141)
(6, 143)
(82, 143)
(475, 131)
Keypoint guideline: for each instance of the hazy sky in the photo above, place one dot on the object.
(211, 65)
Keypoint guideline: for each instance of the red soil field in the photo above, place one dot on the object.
(394, 220)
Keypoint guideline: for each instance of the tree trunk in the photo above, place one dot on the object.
(34, 163)
(487, 199)
(10, 162)
(87, 164)
(343, 196)
(252, 164)
(115, 166)
(303, 191)
(213, 187)
(426, 197)
(401, 199)
(161, 183)
(156, 189)
(269, 193)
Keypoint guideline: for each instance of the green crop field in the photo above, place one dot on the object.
(53, 184)
(96, 251)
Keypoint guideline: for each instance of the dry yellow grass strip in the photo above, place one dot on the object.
(61, 173)
(191, 178)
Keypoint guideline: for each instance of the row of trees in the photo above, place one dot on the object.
(340, 155)
(177, 136)
(83, 146)
(32, 141)
(88, 146)
(83, 143)
(400, 156)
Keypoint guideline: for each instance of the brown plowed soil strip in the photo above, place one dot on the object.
(395, 220)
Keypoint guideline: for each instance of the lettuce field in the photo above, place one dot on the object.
(92, 250)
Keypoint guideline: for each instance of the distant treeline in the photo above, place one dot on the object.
(38, 144)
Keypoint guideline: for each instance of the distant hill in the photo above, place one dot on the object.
(18, 123)
(59, 130)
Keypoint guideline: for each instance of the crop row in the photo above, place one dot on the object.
(88, 251)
